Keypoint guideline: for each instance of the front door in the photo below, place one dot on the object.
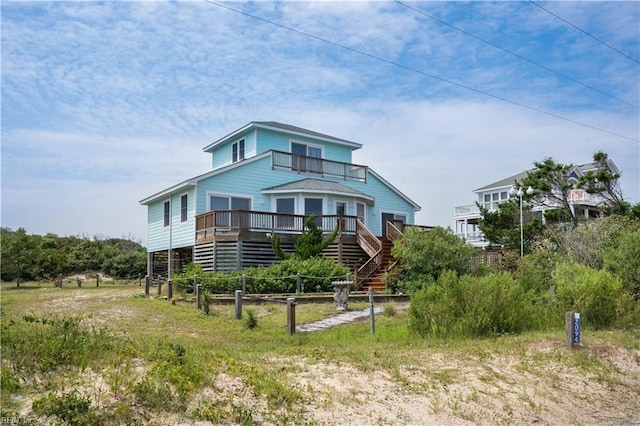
(385, 217)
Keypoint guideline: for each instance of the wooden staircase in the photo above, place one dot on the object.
(376, 282)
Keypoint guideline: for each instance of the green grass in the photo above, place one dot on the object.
(158, 357)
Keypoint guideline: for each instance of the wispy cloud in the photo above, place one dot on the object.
(106, 103)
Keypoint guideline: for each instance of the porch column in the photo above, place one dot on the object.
(466, 229)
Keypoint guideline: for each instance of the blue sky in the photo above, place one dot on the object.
(104, 104)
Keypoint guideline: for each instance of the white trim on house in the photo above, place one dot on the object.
(229, 195)
(193, 182)
(292, 130)
(416, 207)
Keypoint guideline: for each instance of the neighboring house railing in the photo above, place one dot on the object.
(321, 166)
(217, 222)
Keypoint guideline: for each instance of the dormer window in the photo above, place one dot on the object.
(237, 151)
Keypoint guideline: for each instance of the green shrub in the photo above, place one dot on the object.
(431, 253)
(535, 270)
(316, 274)
(72, 408)
(623, 259)
(252, 319)
(45, 344)
(597, 294)
(470, 306)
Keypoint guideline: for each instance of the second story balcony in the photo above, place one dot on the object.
(320, 166)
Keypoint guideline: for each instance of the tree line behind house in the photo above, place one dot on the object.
(32, 257)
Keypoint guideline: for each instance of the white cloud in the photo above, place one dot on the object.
(106, 103)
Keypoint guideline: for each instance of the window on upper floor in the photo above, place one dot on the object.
(167, 213)
(237, 151)
(306, 158)
(184, 207)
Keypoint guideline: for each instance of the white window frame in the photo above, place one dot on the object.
(238, 150)
(309, 165)
(166, 213)
(228, 196)
(184, 217)
(364, 212)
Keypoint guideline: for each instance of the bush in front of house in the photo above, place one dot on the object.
(316, 274)
(470, 306)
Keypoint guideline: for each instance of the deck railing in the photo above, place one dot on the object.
(218, 222)
(303, 163)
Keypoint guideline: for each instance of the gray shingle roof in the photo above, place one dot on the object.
(296, 129)
(510, 181)
(317, 185)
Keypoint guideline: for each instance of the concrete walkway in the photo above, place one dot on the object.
(340, 319)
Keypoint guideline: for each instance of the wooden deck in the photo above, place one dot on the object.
(228, 240)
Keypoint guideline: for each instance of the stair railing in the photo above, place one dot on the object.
(373, 247)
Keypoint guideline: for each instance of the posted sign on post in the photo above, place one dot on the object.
(572, 329)
(576, 328)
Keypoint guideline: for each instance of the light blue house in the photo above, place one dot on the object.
(266, 177)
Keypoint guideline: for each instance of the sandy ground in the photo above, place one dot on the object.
(444, 389)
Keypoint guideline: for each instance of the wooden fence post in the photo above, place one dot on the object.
(139, 279)
(291, 315)
(79, 282)
(238, 304)
(147, 281)
(60, 280)
(97, 280)
(572, 329)
(169, 290)
(159, 285)
(198, 291)
(372, 315)
(195, 284)
(244, 284)
(298, 284)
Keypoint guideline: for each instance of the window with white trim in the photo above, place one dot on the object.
(184, 207)
(306, 158)
(167, 213)
(285, 206)
(237, 151)
(360, 212)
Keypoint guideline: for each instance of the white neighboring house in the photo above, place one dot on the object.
(466, 218)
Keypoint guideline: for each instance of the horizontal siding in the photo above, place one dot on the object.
(248, 181)
(268, 139)
(386, 200)
(222, 154)
(179, 234)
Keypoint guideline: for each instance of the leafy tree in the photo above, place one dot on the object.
(428, 254)
(550, 181)
(604, 182)
(502, 226)
(18, 251)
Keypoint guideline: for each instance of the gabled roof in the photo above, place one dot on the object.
(416, 207)
(579, 170)
(317, 186)
(281, 127)
(504, 183)
(193, 181)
